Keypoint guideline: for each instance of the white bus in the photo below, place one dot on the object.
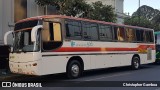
(57, 44)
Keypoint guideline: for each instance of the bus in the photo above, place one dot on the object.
(61, 44)
(157, 42)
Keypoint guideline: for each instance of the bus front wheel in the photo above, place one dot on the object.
(135, 63)
(74, 69)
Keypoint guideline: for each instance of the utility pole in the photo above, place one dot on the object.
(139, 12)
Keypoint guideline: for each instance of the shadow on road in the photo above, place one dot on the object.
(90, 73)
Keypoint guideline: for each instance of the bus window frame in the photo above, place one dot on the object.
(65, 29)
(144, 41)
(112, 31)
(150, 31)
(139, 29)
(43, 50)
(83, 31)
(116, 26)
(135, 37)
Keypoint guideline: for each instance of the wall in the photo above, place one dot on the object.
(33, 9)
(119, 6)
(6, 18)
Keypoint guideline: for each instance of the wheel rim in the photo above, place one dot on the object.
(75, 70)
(136, 63)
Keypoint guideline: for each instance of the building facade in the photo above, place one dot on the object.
(118, 6)
(13, 10)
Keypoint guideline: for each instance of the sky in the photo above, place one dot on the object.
(132, 5)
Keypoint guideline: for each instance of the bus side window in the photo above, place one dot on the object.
(140, 35)
(51, 36)
(155, 38)
(45, 32)
(57, 32)
(105, 32)
(115, 33)
(86, 29)
(73, 29)
(149, 36)
(130, 35)
(119, 33)
(90, 31)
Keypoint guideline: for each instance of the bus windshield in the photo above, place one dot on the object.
(22, 40)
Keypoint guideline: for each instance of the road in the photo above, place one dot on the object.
(149, 72)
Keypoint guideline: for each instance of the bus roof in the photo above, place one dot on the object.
(82, 19)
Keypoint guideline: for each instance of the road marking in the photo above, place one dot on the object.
(107, 77)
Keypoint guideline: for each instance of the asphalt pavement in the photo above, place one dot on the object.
(111, 76)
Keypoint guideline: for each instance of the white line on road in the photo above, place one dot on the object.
(108, 77)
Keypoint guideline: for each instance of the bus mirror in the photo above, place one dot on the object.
(6, 36)
(34, 32)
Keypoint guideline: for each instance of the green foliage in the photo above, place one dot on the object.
(143, 22)
(56, 3)
(67, 7)
(149, 18)
(80, 8)
(74, 7)
(134, 21)
(102, 12)
(49, 2)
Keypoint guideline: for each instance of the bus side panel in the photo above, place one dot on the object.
(58, 64)
(121, 60)
(143, 58)
(53, 64)
(110, 60)
(98, 60)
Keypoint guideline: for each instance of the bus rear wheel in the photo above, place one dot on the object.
(74, 69)
(135, 63)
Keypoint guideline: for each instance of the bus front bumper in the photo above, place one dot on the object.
(29, 68)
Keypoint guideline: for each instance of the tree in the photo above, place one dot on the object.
(80, 8)
(57, 3)
(102, 12)
(67, 7)
(75, 8)
(135, 22)
(149, 17)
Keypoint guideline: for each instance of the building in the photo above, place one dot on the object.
(13, 10)
(118, 7)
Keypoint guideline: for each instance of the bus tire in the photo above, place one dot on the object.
(74, 69)
(135, 63)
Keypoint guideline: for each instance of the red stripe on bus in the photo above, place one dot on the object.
(92, 49)
(81, 49)
(77, 49)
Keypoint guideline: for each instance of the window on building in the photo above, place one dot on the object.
(90, 31)
(73, 29)
(105, 32)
